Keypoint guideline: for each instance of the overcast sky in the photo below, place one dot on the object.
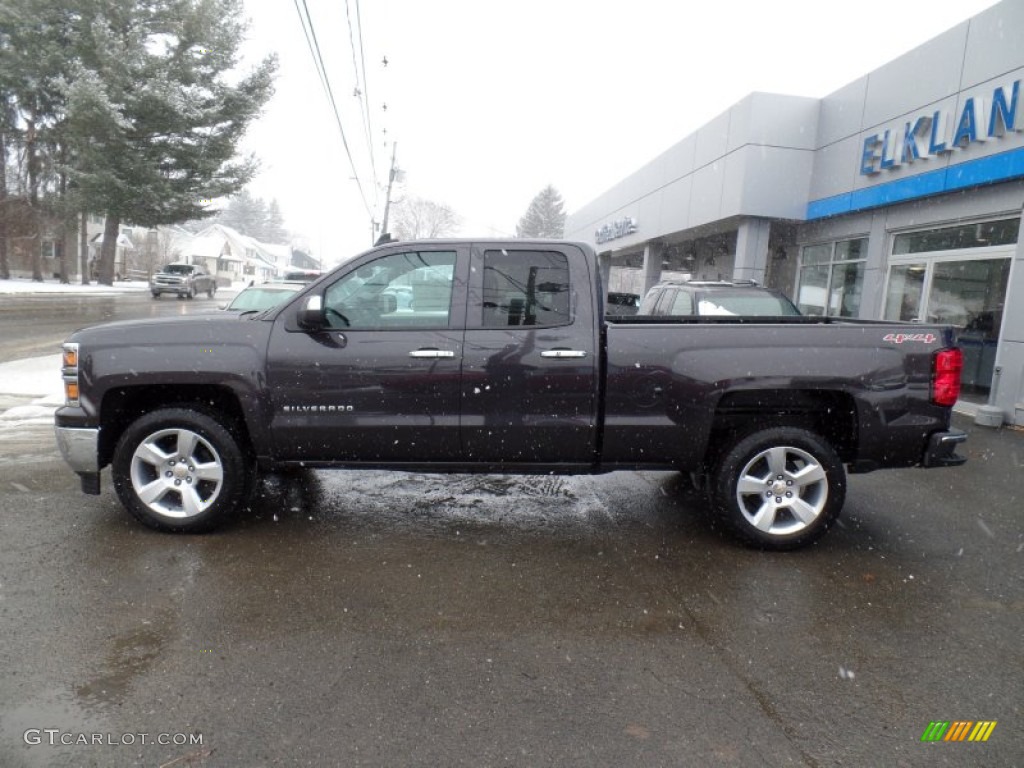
(489, 102)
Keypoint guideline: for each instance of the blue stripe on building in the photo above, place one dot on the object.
(974, 173)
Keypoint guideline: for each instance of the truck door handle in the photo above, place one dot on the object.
(432, 353)
(564, 353)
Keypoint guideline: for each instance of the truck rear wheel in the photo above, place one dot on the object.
(779, 488)
(181, 469)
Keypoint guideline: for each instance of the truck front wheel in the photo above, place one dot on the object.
(181, 469)
(779, 488)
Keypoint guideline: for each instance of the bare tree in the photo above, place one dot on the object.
(163, 246)
(417, 218)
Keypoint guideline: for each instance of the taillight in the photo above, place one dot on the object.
(946, 367)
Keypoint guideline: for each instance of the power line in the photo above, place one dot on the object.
(318, 61)
(364, 92)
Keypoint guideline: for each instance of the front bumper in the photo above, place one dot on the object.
(941, 449)
(179, 290)
(80, 448)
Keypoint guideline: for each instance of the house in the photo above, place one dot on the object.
(33, 237)
(233, 256)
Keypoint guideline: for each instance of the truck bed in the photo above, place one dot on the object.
(668, 386)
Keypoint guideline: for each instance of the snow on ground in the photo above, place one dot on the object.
(37, 380)
(22, 285)
(32, 377)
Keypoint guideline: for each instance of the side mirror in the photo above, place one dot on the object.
(311, 316)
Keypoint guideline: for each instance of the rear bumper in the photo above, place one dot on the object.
(941, 449)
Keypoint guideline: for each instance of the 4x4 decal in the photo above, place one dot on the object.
(899, 338)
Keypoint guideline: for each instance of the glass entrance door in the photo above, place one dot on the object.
(966, 293)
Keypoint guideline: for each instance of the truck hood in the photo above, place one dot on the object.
(214, 329)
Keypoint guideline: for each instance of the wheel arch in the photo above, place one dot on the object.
(831, 413)
(123, 405)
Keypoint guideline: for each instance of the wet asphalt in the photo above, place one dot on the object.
(380, 619)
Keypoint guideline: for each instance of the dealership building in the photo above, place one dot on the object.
(897, 197)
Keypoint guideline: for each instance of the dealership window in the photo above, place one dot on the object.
(831, 278)
(982, 235)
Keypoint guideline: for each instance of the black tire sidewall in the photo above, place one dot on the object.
(238, 475)
(736, 456)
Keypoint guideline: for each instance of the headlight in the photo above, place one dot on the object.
(70, 374)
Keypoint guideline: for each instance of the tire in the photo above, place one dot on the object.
(191, 293)
(210, 291)
(779, 488)
(168, 494)
(156, 295)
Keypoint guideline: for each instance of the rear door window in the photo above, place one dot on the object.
(525, 288)
(682, 303)
(650, 301)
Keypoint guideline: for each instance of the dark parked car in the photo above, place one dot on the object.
(744, 299)
(619, 303)
(183, 280)
(301, 275)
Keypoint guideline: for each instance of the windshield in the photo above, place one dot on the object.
(259, 299)
(746, 303)
(179, 269)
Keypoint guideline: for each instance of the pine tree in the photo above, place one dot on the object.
(273, 229)
(545, 217)
(153, 122)
(38, 43)
(245, 213)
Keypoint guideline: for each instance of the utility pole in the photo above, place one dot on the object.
(387, 200)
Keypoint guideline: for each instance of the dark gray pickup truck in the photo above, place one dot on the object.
(496, 356)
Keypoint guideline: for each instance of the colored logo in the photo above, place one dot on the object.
(958, 730)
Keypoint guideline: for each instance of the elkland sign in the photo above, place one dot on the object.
(935, 133)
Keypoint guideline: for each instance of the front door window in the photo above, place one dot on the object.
(401, 290)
